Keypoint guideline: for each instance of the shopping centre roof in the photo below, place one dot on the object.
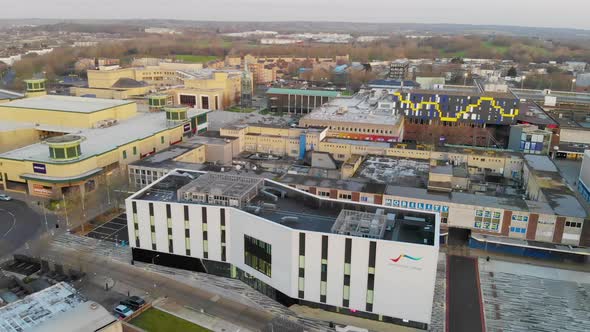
(66, 103)
(101, 140)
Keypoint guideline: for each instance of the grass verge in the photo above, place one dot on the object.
(154, 320)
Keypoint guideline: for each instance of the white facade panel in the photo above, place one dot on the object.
(359, 273)
(143, 215)
(214, 232)
(405, 288)
(196, 230)
(161, 226)
(178, 235)
(335, 284)
(283, 278)
(313, 261)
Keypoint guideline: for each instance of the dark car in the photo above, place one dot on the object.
(133, 302)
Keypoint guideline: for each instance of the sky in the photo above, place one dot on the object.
(536, 13)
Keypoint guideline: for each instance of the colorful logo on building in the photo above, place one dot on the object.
(395, 260)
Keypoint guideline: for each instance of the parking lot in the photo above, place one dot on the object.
(114, 230)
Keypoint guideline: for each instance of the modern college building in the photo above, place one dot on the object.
(353, 258)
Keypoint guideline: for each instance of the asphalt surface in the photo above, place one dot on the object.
(158, 285)
(20, 224)
(113, 231)
(464, 307)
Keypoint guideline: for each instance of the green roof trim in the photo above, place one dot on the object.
(300, 92)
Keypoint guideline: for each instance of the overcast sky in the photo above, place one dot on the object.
(541, 13)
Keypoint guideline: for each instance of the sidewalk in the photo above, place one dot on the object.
(196, 316)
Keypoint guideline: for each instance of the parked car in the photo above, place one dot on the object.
(133, 302)
(5, 197)
(123, 311)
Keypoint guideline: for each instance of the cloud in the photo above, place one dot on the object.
(500, 12)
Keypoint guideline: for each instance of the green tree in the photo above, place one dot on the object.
(512, 72)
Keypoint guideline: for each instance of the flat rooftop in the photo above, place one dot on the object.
(66, 103)
(87, 316)
(221, 185)
(384, 145)
(540, 163)
(499, 202)
(357, 185)
(165, 158)
(362, 108)
(303, 92)
(392, 170)
(299, 210)
(6, 94)
(101, 140)
(6, 125)
(532, 113)
(37, 308)
(458, 92)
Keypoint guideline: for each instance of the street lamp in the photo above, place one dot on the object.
(522, 82)
(154, 259)
(573, 84)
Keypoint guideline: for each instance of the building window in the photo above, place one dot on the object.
(258, 255)
(134, 150)
(324, 269)
(124, 154)
(347, 259)
(162, 139)
(345, 196)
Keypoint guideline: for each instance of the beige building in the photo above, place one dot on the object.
(362, 117)
(262, 74)
(125, 83)
(209, 89)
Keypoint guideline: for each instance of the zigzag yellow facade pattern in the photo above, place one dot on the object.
(468, 109)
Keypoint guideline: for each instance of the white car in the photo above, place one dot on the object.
(123, 311)
(5, 197)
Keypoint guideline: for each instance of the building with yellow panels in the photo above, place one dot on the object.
(120, 83)
(293, 142)
(209, 89)
(65, 111)
(188, 84)
(125, 83)
(83, 140)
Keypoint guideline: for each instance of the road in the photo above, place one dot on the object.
(159, 285)
(19, 224)
(464, 303)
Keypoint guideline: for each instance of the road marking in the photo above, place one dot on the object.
(13, 222)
